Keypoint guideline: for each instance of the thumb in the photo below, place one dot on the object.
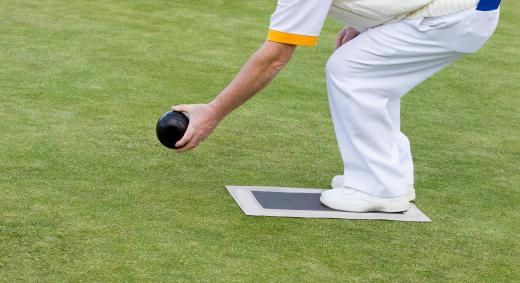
(181, 108)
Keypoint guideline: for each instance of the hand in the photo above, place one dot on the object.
(346, 35)
(203, 120)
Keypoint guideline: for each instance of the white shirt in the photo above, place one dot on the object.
(299, 22)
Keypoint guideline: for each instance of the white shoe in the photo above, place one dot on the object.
(352, 200)
(337, 182)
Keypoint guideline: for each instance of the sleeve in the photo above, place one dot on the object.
(298, 22)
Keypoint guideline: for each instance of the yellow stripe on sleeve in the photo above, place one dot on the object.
(290, 38)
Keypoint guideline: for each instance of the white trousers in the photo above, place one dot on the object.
(366, 79)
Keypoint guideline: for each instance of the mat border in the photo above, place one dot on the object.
(243, 196)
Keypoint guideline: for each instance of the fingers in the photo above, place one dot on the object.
(189, 146)
(200, 126)
(186, 138)
(350, 35)
(339, 40)
(345, 36)
(345, 40)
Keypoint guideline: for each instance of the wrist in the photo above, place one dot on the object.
(217, 111)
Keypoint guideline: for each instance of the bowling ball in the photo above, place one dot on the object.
(171, 127)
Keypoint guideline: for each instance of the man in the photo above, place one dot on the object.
(388, 48)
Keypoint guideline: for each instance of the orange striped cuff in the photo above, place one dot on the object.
(290, 38)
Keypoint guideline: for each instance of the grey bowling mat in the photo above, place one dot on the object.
(305, 203)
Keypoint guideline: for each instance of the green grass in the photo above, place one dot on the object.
(88, 194)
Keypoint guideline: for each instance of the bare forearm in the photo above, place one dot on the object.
(258, 72)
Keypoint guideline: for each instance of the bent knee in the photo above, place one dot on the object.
(342, 67)
(333, 65)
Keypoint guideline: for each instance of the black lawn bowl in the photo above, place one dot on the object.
(171, 127)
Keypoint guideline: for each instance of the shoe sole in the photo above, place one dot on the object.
(387, 207)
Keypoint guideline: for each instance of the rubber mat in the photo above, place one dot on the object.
(305, 203)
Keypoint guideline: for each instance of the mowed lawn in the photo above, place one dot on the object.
(88, 194)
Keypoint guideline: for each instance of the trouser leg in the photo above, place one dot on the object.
(403, 144)
(365, 79)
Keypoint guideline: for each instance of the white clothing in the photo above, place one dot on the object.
(299, 22)
(365, 14)
(366, 79)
